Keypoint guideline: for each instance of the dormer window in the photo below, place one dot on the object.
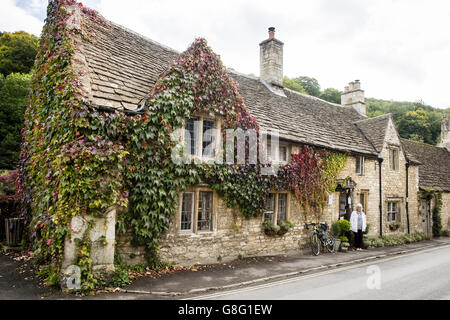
(281, 152)
(200, 137)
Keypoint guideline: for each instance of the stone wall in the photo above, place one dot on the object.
(233, 236)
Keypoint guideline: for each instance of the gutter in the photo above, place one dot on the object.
(380, 162)
(407, 195)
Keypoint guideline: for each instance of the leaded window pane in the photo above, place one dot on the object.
(187, 210)
(205, 205)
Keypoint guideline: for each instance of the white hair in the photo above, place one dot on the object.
(359, 205)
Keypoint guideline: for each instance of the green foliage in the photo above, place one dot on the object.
(294, 84)
(13, 100)
(121, 277)
(395, 240)
(414, 120)
(311, 85)
(17, 52)
(445, 233)
(437, 221)
(270, 228)
(331, 95)
(344, 226)
(286, 225)
(343, 238)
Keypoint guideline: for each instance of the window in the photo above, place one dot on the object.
(208, 138)
(196, 212)
(187, 211)
(360, 165)
(277, 207)
(280, 152)
(190, 138)
(283, 154)
(270, 207)
(393, 211)
(393, 159)
(282, 207)
(200, 133)
(204, 222)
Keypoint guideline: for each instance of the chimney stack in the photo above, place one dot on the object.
(271, 60)
(353, 96)
(445, 134)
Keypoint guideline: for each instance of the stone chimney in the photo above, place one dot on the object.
(271, 60)
(353, 96)
(445, 134)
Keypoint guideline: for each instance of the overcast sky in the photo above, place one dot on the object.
(399, 49)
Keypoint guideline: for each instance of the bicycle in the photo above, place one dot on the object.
(320, 236)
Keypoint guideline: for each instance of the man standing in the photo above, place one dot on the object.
(358, 225)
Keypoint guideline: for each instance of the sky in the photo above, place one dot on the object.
(398, 49)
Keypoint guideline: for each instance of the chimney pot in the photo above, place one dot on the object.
(271, 32)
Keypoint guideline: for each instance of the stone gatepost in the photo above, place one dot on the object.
(102, 237)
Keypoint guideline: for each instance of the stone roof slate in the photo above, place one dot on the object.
(123, 66)
(434, 173)
(375, 129)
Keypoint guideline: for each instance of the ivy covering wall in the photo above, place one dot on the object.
(77, 160)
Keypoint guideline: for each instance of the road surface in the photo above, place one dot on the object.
(423, 275)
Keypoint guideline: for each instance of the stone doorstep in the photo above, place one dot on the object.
(290, 274)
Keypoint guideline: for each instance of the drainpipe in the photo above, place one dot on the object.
(380, 162)
(407, 195)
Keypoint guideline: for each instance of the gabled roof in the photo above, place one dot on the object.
(375, 129)
(123, 65)
(434, 173)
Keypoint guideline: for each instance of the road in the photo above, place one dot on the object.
(423, 275)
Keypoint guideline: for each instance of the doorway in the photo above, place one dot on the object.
(426, 216)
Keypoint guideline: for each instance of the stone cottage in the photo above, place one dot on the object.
(117, 69)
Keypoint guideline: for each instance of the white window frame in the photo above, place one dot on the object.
(390, 211)
(277, 152)
(192, 212)
(276, 206)
(199, 139)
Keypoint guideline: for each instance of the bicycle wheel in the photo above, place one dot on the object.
(314, 242)
(329, 242)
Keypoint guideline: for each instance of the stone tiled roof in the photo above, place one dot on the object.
(375, 129)
(434, 172)
(123, 66)
(303, 118)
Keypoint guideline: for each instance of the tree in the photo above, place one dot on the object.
(311, 85)
(17, 52)
(331, 95)
(293, 85)
(414, 125)
(13, 100)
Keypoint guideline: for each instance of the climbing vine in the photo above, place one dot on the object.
(77, 160)
(436, 215)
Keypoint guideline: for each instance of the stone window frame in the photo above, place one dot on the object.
(275, 213)
(362, 161)
(365, 193)
(394, 162)
(194, 230)
(398, 202)
(199, 137)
